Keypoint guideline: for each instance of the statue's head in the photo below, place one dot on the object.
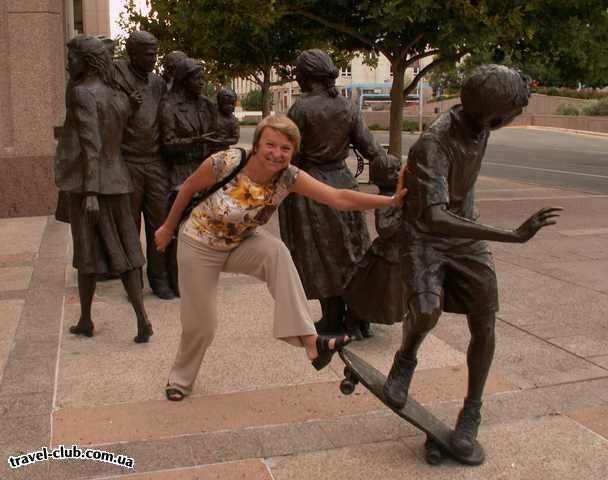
(316, 66)
(142, 48)
(385, 173)
(169, 62)
(226, 101)
(108, 43)
(493, 95)
(88, 56)
(188, 76)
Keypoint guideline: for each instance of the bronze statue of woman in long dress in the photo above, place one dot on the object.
(326, 244)
(89, 167)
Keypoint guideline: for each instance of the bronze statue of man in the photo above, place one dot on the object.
(188, 120)
(326, 244)
(141, 149)
(89, 167)
(446, 264)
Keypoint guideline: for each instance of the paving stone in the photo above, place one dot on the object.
(19, 236)
(247, 469)
(548, 448)
(583, 345)
(602, 361)
(528, 362)
(10, 311)
(15, 278)
(74, 469)
(24, 434)
(159, 454)
(594, 418)
(290, 439)
(26, 405)
(217, 447)
(35, 471)
(576, 395)
(24, 375)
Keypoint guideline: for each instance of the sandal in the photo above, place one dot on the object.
(174, 395)
(324, 350)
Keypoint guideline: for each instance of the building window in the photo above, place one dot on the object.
(346, 72)
(78, 21)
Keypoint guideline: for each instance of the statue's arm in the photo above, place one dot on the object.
(170, 142)
(440, 221)
(234, 133)
(363, 140)
(89, 136)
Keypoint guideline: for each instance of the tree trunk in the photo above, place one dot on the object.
(266, 94)
(396, 113)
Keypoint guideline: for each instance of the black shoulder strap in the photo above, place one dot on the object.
(229, 177)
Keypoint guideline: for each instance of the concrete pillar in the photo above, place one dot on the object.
(32, 86)
(96, 17)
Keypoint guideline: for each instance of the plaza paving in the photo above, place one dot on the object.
(260, 411)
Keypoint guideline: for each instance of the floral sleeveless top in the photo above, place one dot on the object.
(231, 214)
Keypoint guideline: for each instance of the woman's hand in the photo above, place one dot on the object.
(401, 192)
(162, 237)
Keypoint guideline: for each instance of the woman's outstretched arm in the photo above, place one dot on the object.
(346, 199)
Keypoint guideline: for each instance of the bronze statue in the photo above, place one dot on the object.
(375, 291)
(141, 149)
(326, 244)
(446, 263)
(169, 62)
(89, 167)
(63, 206)
(188, 120)
(227, 130)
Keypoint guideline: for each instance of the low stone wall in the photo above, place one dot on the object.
(590, 124)
(583, 123)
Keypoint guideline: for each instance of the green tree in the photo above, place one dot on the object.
(234, 38)
(252, 101)
(407, 32)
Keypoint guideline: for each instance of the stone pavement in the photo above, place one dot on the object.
(260, 411)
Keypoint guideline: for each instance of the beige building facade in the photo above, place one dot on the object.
(33, 34)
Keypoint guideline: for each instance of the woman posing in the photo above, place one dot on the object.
(221, 235)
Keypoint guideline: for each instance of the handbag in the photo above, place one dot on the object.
(198, 197)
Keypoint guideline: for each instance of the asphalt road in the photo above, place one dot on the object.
(538, 156)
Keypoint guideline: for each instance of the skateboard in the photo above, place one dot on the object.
(437, 443)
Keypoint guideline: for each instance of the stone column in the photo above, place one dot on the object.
(96, 17)
(32, 87)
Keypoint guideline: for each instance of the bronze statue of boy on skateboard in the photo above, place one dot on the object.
(446, 263)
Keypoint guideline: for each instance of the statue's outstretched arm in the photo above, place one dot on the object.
(441, 222)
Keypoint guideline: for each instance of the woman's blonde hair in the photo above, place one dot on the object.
(281, 124)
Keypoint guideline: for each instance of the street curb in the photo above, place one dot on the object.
(564, 130)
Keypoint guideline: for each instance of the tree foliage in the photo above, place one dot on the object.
(406, 32)
(235, 38)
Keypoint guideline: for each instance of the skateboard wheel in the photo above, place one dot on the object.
(432, 454)
(347, 386)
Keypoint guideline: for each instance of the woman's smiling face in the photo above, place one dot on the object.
(274, 150)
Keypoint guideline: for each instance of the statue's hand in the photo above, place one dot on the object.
(543, 218)
(91, 209)
(135, 99)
